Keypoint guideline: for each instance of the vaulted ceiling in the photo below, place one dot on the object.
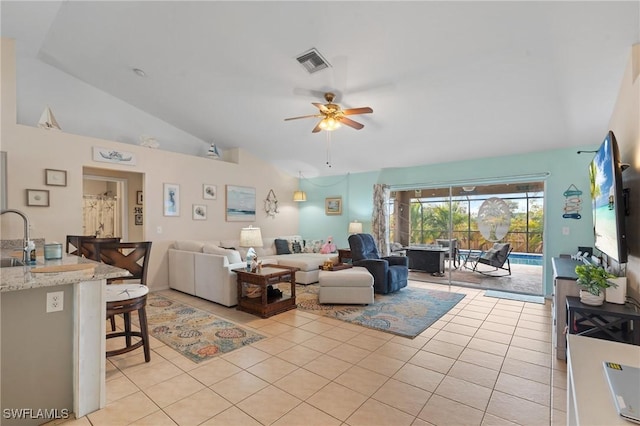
(446, 81)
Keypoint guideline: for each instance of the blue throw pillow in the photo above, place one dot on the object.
(282, 246)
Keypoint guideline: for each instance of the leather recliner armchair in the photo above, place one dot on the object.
(390, 273)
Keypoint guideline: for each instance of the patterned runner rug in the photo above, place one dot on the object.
(195, 333)
(407, 312)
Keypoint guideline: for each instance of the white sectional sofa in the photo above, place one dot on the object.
(205, 268)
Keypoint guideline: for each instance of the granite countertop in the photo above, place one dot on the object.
(21, 278)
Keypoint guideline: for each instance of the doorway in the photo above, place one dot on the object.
(113, 204)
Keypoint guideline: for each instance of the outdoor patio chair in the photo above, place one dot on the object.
(454, 253)
(496, 257)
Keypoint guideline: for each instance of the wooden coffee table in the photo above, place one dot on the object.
(265, 306)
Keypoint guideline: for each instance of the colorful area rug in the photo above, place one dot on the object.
(195, 333)
(407, 312)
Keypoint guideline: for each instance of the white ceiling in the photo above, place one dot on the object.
(447, 81)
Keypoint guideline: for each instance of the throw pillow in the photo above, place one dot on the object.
(282, 246)
(297, 247)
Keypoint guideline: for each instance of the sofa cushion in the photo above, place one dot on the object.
(282, 246)
(188, 245)
(305, 261)
(233, 256)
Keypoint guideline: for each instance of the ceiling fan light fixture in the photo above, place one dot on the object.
(329, 124)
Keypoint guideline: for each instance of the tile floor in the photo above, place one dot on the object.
(486, 362)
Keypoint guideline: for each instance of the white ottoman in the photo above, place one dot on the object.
(351, 286)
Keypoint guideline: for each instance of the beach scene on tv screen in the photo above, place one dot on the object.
(603, 199)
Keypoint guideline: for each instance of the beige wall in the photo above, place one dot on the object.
(30, 150)
(625, 123)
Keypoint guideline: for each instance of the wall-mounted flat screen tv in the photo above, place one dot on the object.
(605, 175)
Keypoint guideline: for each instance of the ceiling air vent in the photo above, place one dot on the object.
(313, 61)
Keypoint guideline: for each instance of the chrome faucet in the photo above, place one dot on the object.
(25, 248)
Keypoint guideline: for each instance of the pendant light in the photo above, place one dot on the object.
(299, 195)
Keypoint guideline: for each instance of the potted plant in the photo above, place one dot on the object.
(593, 280)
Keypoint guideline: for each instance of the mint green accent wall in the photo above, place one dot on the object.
(564, 166)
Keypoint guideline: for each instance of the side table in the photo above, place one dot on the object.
(265, 306)
(344, 254)
(609, 321)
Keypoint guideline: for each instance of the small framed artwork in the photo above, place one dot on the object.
(55, 177)
(171, 199)
(107, 155)
(209, 192)
(240, 204)
(138, 219)
(139, 197)
(199, 212)
(333, 206)
(38, 197)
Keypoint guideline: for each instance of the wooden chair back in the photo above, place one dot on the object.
(132, 256)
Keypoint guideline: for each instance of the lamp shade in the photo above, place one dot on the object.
(250, 237)
(299, 196)
(355, 227)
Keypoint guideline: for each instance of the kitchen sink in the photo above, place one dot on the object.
(8, 262)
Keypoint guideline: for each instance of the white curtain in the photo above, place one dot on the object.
(380, 218)
(100, 216)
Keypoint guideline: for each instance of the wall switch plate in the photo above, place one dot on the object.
(159, 229)
(55, 301)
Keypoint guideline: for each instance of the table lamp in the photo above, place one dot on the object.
(355, 227)
(250, 237)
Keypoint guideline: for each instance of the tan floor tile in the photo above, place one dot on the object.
(373, 412)
(246, 357)
(174, 389)
(402, 396)
(527, 355)
(302, 383)
(124, 411)
(465, 330)
(361, 380)
(544, 336)
(534, 321)
(317, 327)
(378, 334)
(518, 410)
(327, 366)
(292, 318)
(472, 314)
(232, 416)
(500, 327)
(432, 361)
(468, 393)
(214, 371)
(443, 348)
(470, 322)
(321, 343)
(559, 399)
(527, 370)
(381, 364)
(268, 405)
(272, 369)
(273, 345)
(349, 353)
(166, 352)
(482, 359)
(493, 336)
(506, 318)
(488, 346)
(159, 418)
(417, 342)
(197, 408)
(491, 420)
(533, 344)
(454, 338)
(474, 373)
(429, 332)
(396, 351)
(558, 418)
(559, 379)
(367, 342)
(276, 328)
(119, 388)
(297, 335)
(340, 334)
(308, 415)
(152, 374)
(337, 401)
(524, 388)
(299, 355)
(419, 376)
(185, 364)
(443, 411)
(239, 386)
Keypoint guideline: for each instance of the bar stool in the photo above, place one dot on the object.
(126, 298)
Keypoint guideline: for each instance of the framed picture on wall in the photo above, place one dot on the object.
(240, 204)
(55, 177)
(199, 212)
(209, 192)
(138, 219)
(139, 197)
(38, 197)
(171, 199)
(333, 205)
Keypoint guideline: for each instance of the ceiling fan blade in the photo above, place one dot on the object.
(349, 122)
(317, 128)
(321, 107)
(353, 111)
(302, 116)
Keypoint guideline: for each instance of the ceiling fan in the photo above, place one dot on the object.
(333, 116)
